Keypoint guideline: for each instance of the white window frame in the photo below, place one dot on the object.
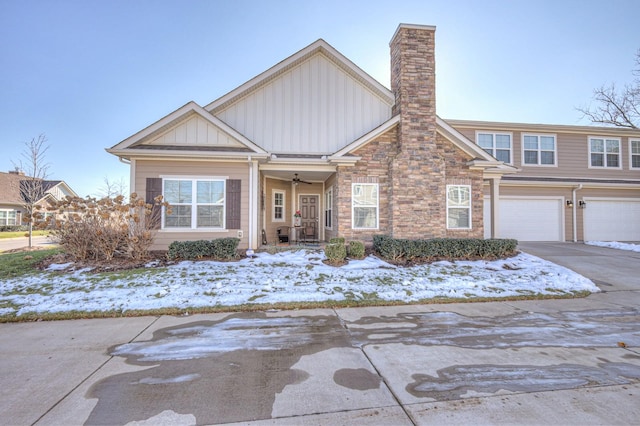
(633, 154)
(605, 139)
(539, 150)
(5, 220)
(274, 206)
(328, 208)
(492, 151)
(356, 190)
(449, 206)
(194, 203)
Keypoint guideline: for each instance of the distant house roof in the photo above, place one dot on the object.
(13, 189)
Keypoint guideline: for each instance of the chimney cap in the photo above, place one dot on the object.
(413, 27)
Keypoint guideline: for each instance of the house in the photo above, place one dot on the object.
(318, 135)
(14, 195)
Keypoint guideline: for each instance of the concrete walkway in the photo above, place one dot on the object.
(525, 362)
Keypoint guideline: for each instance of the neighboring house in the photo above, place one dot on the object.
(317, 134)
(576, 183)
(13, 196)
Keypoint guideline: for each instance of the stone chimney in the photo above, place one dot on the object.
(418, 171)
(17, 171)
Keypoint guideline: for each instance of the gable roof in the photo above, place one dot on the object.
(143, 143)
(13, 189)
(319, 46)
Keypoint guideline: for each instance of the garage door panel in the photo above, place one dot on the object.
(612, 220)
(528, 219)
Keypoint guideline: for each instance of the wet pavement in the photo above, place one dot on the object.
(524, 362)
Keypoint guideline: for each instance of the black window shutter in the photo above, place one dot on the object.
(154, 188)
(234, 203)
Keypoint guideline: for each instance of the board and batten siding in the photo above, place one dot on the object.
(195, 131)
(314, 108)
(572, 155)
(238, 170)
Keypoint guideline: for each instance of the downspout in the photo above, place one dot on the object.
(574, 211)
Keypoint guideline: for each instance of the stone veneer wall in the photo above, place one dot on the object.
(372, 168)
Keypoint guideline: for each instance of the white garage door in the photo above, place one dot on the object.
(612, 220)
(527, 219)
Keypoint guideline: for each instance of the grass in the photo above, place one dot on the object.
(17, 234)
(13, 265)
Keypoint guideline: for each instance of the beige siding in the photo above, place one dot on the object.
(155, 169)
(572, 154)
(315, 108)
(270, 226)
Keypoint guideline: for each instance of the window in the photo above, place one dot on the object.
(195, 203)
(604, 152)
(496, 144)
(278, 206)
(364, 205)
(458, 207)
(328, 208)
(634, 150)
(539, 150)
(8, 217)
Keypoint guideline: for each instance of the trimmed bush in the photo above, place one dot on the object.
(336, 240)
(396, 249)
(356, 250)
(219, 249)
(335, 253)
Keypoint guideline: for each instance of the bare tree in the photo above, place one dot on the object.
(614, 107)
(33, 186)
(111, 189)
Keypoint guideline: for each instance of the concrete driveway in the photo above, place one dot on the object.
(539, 361)
(609, 269)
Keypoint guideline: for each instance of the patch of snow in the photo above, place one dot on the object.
(615, 245)
(59, 266)
(295, 276)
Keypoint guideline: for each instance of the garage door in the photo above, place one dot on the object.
(612, 220)
(528, 219)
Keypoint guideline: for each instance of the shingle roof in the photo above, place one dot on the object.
(12, 188)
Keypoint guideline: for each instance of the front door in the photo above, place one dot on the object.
(309, 209)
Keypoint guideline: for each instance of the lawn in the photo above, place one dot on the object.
(285, 280)
(17, 234)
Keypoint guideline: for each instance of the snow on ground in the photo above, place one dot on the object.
(292, 276)
(615, 245)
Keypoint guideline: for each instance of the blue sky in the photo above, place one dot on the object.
(90, 73)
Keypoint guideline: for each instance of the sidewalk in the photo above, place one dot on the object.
(554, 361)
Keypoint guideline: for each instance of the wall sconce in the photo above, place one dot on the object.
(569, 203)
(582, 204)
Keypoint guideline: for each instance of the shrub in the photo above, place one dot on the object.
(336, 240)
(91, 229)
(219, 249)
(356, 249)
(395, 249)
(335, 253)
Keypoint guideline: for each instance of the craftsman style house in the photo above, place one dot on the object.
(316, 148)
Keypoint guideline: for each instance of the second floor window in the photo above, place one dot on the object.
(634, 149)
(604, 152)
(496, 144)
(539, 150)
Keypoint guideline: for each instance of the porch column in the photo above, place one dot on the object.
(495, 205)
(254, 205)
